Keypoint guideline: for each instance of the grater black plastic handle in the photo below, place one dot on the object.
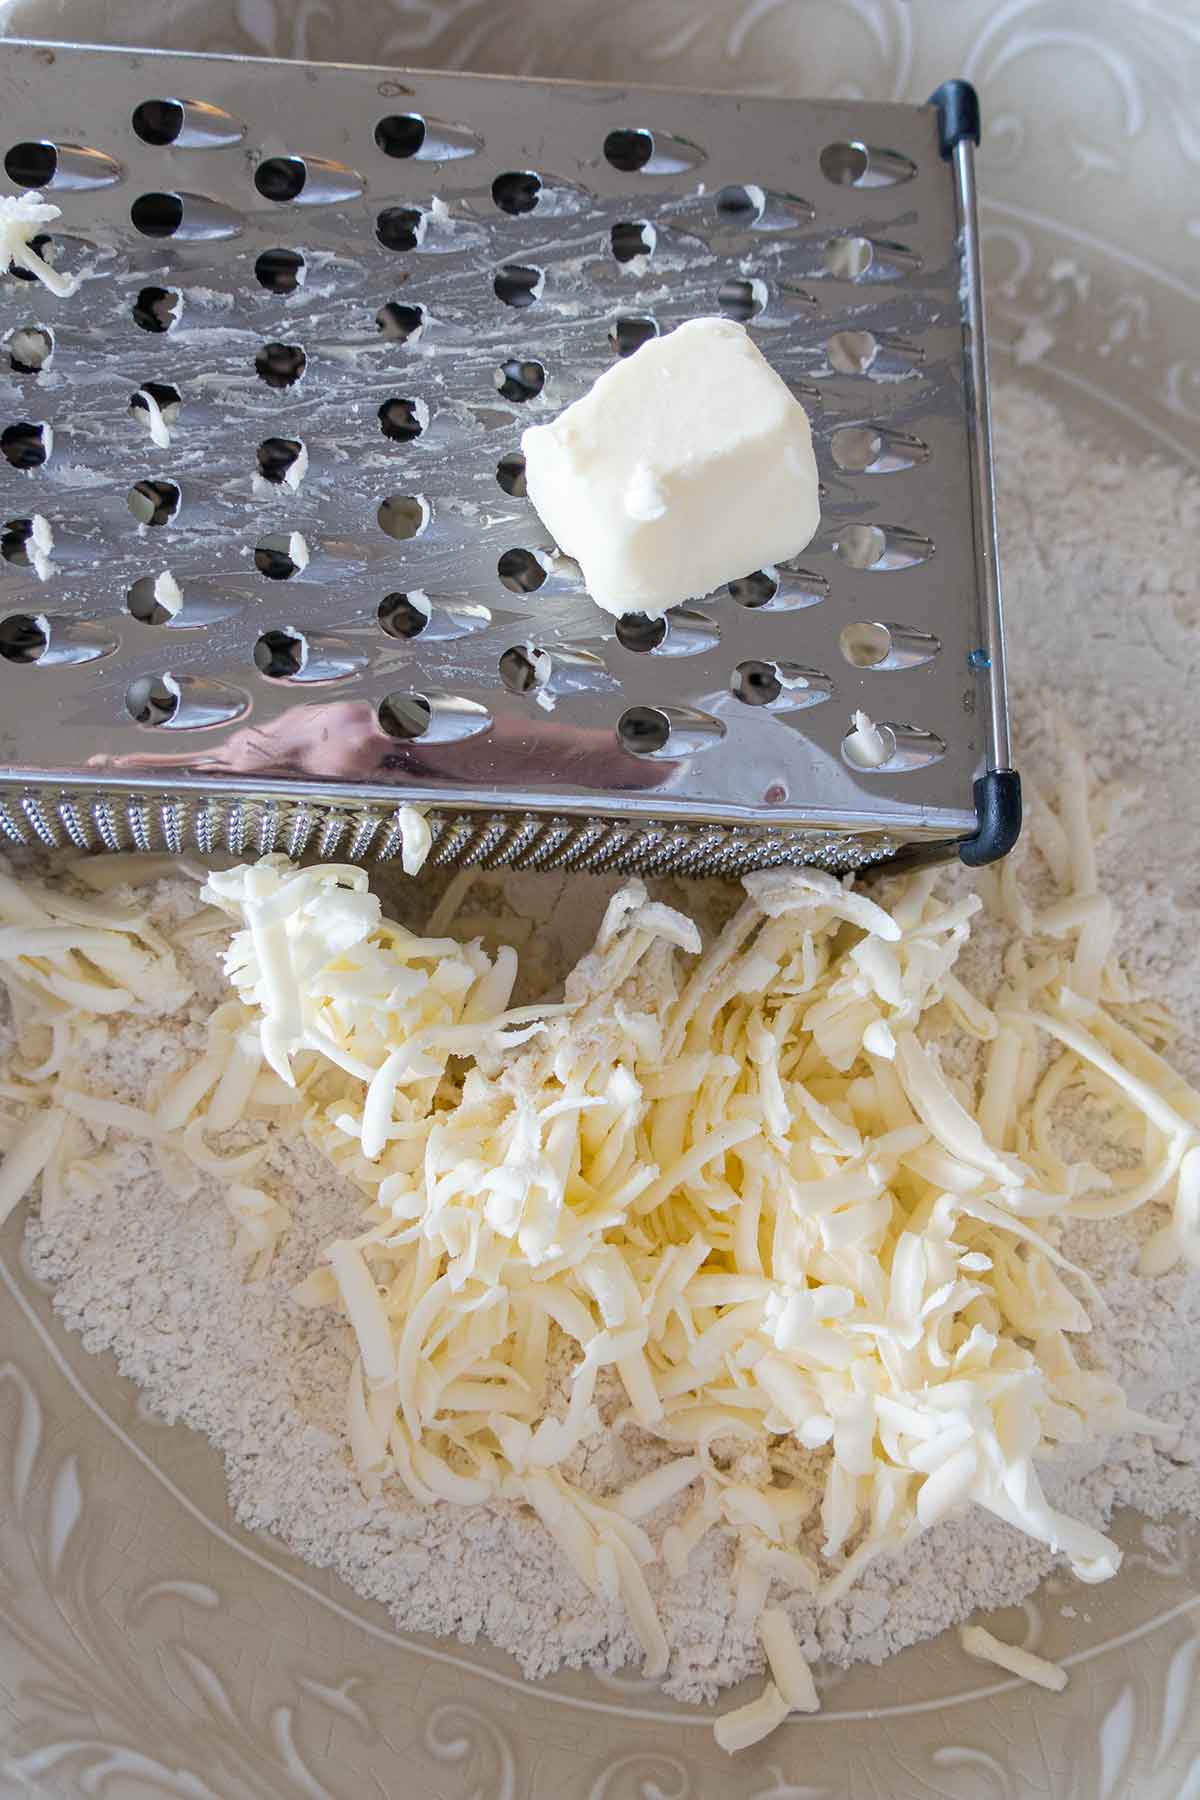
(998, 806)
(958, 114)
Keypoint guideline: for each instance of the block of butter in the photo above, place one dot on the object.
(686, 465)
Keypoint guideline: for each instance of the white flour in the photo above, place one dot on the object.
(144, 1268)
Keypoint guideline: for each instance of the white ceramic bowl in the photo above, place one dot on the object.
(148, 1645)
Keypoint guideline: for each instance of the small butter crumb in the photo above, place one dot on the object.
(154, 419)
(22, 217)
(416, 839)
(865, 745)
(644, 498)
(39, 546)
(297, 470)
(167, 593)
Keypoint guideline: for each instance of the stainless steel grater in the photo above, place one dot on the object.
(294, 581)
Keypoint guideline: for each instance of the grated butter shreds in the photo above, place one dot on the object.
(751, 1723)
(980, 1643)
(737, 1177)
(789, 1671)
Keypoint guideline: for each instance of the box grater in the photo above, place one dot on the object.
(272, 441)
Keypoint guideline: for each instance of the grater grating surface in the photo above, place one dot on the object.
(358, 286)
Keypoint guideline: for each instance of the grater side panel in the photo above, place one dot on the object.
(314, 737)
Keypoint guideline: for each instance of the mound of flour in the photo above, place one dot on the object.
(143, 1267)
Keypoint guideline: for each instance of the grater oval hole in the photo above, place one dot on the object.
(152, 700)
(906, 647)
(521, 571)
(13, 539)
(862, 546)
(405, 715)
(631, 238)
(852, 352)
(281, 556)
(848, 258)
(400, 134)
(908, 747)
(70, 641)
(399, 323)
(756, 683)
(281, 178)
(898, 749)
(742, 299)
(743, 206)
(30, 349)
(885, 548)
(520, 378)
(629, 148)
(157, 215)
(400, 227)
(518, 284)
(517, 191)
(845, 163)
(430, 140)
(153, 502)
(166, 397)
(510, 473)
(629, 332)
(440, 717)
(855, 164)
(144, 603)
(187, 124)
(281, 654)
(865, 644)
(876, 450)
(158, 122)
(404, 516)
(855, 447)
(637, 631)
(403, 420)
(280, 271)
(25, 444)
(524, 668)
(756, 589)
(644, 730)
(186, 702)
(685, 631)
(31, 165)
(798, 587)
(280, 365)
(42, 245)
(307, 180)
(23, 638)
(282, 461)
(404, 615)
(157, 308)
(43, 164)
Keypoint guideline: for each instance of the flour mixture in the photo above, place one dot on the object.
(697, 1491)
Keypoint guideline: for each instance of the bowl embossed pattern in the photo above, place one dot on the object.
(151, 1647)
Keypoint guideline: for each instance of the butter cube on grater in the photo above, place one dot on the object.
(269, 571)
